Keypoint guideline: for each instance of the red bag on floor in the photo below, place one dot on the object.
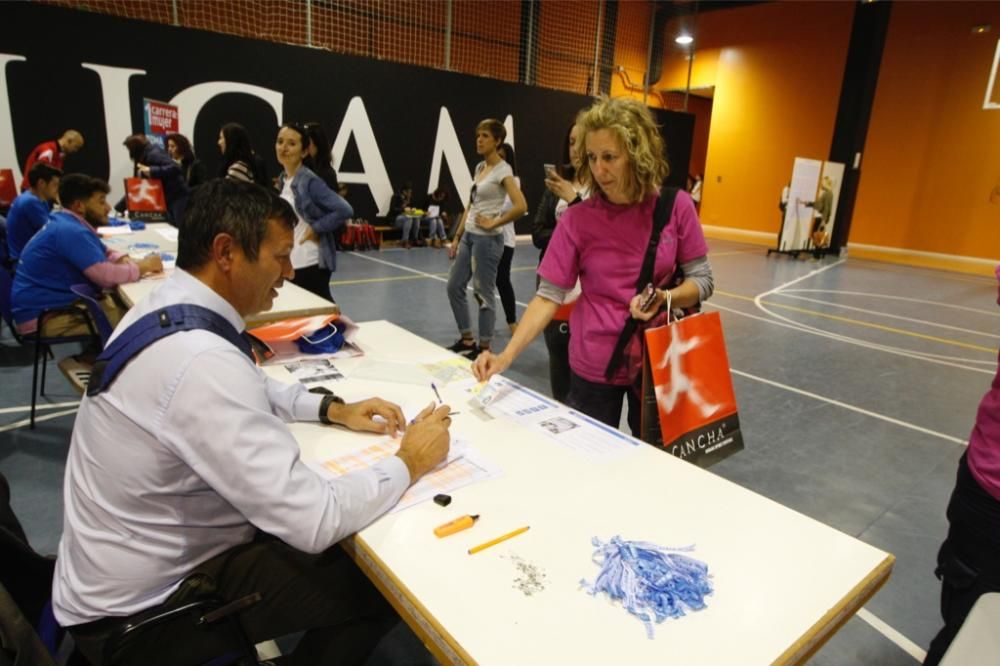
(688, 403)
(348, 239)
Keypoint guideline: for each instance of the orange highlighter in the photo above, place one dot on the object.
(457, 525)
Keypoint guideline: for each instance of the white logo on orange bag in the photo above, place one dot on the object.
(669, 394)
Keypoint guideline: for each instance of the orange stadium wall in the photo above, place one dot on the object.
(777, 70)
(932, 155)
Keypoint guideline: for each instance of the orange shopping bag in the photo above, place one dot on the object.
(145, 200)
(688, 404)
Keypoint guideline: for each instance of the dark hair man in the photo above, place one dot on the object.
(30, 210)
(68, 251)
(52, 152)
(187, 452)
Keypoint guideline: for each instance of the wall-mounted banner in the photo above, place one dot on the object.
(388, 123)
(160, 119)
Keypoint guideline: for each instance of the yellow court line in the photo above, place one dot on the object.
(881, 327)
(395, 278)
(388, 279)
(723, 254)
(909, 269)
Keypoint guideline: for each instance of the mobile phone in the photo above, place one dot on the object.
(648, 296)
(550, 169)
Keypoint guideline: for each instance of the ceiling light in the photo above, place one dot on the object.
(684, 40)
(980, 29)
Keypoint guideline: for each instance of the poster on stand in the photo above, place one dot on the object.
(161, 119)
(811, 208)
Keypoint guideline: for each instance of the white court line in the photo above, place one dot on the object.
(418, 272)
(904, 643)
(23, 422)
(852, 341)
(799, 279)
(27, 408)
(758, 301)
(990, 313)
(923, 322)
(853, 408)
(872, 345)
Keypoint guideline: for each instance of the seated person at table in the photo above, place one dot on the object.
(68, 251)
(399, 206)
(30, 210)
(184, 464)
(436, 217)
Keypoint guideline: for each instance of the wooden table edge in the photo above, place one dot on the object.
(437, 640)
(831, 622)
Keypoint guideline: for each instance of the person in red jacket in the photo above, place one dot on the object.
(53, 152)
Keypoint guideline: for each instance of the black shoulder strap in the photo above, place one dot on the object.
(155, 326)
(661, 216)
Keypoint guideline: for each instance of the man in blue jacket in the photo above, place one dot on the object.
(30, 210)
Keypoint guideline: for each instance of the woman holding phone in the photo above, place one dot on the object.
(480, 236)
(602, 242)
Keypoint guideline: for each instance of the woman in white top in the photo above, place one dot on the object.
(504, 285)
(480, 236)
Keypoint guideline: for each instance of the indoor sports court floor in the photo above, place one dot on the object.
(857, 383)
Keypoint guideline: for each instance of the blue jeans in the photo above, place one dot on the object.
(405, 222)
(435, 228)
(486, 250)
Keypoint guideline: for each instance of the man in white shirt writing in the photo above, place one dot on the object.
(182, 463)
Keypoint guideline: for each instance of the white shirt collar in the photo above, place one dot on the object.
(200, 293)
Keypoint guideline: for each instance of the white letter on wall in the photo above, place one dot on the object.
(6, 124)
(190, 101)
(508, 124)
(446, 144)
(117, 121)
(374, 175)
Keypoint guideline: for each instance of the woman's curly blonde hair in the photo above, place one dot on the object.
(637, 133)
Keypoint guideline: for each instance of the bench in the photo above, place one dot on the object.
(380, 231)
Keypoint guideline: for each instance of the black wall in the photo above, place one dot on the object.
(50, 91)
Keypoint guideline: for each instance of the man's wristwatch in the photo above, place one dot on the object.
(324, 407)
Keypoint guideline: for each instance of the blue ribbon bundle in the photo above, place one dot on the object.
(651, 581)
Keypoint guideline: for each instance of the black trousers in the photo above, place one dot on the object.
(325, 595)
(557, 342)
(504, 285)
(604, 401)
(314, 279)
(969, 559)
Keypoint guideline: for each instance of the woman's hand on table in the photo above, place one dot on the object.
(362, 415)
(426, 442)
(489, 364)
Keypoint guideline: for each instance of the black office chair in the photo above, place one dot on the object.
(201, 615)
(94, 335)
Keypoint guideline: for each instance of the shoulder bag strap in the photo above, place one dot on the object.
(661, 216)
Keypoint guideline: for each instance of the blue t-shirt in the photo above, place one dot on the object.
(52, 262)
(28, 214)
